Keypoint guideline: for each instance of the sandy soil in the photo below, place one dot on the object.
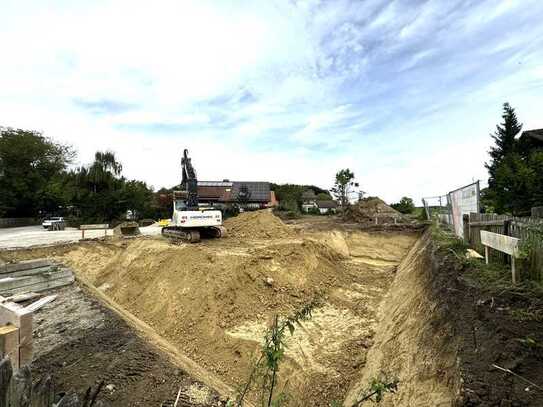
(413, 342)
(213, 300)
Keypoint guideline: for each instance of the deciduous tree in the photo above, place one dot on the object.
(343, 186)
(31, 167)
(405, 205)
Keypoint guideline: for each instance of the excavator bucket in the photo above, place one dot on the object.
(127, 229)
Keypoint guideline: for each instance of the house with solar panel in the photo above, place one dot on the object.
(245, 194)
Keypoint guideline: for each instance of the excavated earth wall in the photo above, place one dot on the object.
(414, 341)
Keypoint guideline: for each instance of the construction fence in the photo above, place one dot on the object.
(451, 208)
(460, 209)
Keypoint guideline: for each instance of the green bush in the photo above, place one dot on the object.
(314, 211)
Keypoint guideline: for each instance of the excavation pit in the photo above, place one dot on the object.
(213, 301)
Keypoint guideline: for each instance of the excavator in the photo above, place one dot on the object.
(189, 220)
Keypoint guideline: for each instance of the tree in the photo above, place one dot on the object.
(405, 205)
(515, 170)
(101, 194)
(104, 168)
(517, 184)
(291, 193)
(31, 170)
(505, 142)
(138, 198)
(342, 186)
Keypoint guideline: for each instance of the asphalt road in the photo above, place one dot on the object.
(26, 236)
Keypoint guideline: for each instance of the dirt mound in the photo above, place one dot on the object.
(258, 224)
(369, 209)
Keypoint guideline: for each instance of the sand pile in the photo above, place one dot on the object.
(258, 224)
(191, 294)
(368, 209)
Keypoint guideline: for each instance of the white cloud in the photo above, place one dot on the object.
(283, 91)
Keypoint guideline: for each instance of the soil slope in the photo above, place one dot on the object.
(414, 341)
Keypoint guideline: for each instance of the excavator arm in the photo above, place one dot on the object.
(189, 181)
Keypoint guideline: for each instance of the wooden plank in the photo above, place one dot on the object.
(94, 227)
(9, 344)
(20, 297)
(488, 223)
(26, 265)
(41, 286)
(6, 373)
(8, 283)
(40, 303)
(505, 244)
(34, 271)
(14, 314)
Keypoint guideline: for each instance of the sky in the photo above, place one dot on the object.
(404, 93)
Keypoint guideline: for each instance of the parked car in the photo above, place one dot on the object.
(47, 222)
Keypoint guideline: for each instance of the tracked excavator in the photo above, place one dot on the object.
(189, 220)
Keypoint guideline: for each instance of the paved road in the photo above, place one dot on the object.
(27, 236)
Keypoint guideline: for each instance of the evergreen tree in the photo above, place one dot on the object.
(504, 137)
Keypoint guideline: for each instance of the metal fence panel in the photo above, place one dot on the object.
(438, 206)
(463, 201)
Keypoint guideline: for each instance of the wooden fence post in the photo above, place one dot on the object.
(507, 227)
(514, 272)
(465, 223)
(5, 378)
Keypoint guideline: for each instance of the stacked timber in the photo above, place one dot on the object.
(21, 282)
(33, 276)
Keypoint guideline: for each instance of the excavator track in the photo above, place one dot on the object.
(180, 234)
(193, 235)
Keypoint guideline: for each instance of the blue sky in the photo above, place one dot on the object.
(405, 93)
